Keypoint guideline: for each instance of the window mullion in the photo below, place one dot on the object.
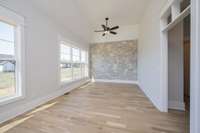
(72, 68)
(80, 62)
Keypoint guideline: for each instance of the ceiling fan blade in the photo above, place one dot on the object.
(114, 28)
(104, 27)
(99, 31)
(114, 33)
(104, 34)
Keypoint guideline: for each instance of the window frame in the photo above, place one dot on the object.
(18, 21)
(71, 45)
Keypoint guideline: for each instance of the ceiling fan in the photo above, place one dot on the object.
(106, 29)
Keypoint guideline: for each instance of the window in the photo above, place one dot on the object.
(76, 63)
(84, 63)
(66, 66)
(83, 57)
(65, 53)
(7, 60)
(73, 63)
(76, 55)
(11, 71)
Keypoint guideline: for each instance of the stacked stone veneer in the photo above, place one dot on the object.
(114, 60)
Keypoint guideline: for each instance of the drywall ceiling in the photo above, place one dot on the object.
(122, 12)
(66, 13)
(84, 16)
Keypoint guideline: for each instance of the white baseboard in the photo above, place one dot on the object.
(177, 105)
(171, 104)
(151, 98)
(116, 81)
(16, 111)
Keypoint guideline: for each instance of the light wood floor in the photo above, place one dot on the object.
(99, 108)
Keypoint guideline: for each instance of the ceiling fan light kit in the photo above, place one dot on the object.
(107, 30)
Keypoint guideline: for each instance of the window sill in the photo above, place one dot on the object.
(11, 99)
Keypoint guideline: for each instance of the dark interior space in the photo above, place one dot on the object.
(186, 49)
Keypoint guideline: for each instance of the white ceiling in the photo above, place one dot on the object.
(122, 12)
(83, 16)
(66, 13)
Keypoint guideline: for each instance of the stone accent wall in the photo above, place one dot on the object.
(114, 60)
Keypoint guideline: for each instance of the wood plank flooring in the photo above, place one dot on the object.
(99, 108)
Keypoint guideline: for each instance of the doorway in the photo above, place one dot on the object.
(194, 9)
(179, 65)
(176, 50)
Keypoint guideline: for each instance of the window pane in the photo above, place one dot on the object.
(83, 56)
(84, 62)
(65, 53)
(76, 70)
(76, 54)
(6, 32)
(86, 70)
(7, 60)
(66, 72)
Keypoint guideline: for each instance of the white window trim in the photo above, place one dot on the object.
(12, 18)
(72, 45)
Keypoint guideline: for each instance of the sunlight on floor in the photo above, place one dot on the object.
(14, 124)
(86, 85)
(44, 107)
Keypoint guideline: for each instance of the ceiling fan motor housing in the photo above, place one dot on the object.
(107, 29)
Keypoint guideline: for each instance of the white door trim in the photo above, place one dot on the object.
(195, 67)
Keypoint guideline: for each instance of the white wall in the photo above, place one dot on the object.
(124, 33)
(42, 56)
(175, 68)
(149, 58)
